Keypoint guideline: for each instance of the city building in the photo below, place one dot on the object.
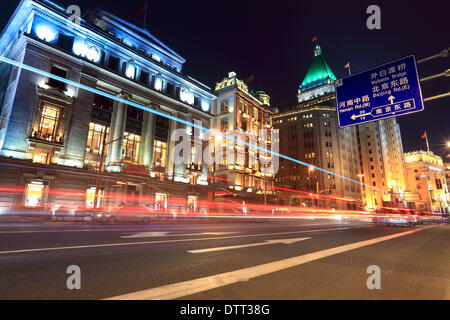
(54, 136)
(310, 133)
(382, 164)
(426, 182)
(238, 111)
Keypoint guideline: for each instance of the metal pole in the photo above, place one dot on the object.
(439, 96)
(439, 75)
(100, 168)
(442, 54)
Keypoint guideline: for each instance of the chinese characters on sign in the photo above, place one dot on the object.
(386, 91)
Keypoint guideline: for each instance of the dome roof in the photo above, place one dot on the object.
(318, 73)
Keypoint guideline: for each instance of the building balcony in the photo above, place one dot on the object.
(38, 136)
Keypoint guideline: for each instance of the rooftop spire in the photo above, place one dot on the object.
(317, 50)
(318, 73)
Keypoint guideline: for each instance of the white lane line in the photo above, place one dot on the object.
(174, 230)
(153, 234)
(182, 289)
(264, 243)
(66, 230)
(161, 241)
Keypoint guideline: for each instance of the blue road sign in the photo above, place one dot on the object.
(390, 90)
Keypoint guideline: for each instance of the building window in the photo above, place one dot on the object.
(103, 103)
(143, 78)
(159, 153)
(41, 155)
(35, 194)
(224, 106)
(131, 147)
(224, 125)
(48, 124)
(95, 139)
(113, 63)
(55, 83)
(65, 42)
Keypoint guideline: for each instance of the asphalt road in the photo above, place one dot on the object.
(307, 259)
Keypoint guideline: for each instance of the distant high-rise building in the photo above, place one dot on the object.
(427, 182)
(309, 132)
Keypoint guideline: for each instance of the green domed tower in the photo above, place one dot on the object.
(319, 79)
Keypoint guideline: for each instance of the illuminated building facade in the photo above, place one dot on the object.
(427, 182)
(238, 110)
(53, 135)
(382, 164)
(311, 134)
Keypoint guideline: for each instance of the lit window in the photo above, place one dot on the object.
(159, 153)
(95, 139)
(35, 194)
(48, 123)
(224, 106)
(158, 84)
(41, 155)
(131, 147)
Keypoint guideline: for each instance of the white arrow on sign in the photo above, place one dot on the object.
(359, 115)
(391, 99)
(152, 234)
(267, 242)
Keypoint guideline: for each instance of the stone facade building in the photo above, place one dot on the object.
(238, 110)
(121, 107)
(311, 134)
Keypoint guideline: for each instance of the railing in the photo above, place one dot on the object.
(36, 135)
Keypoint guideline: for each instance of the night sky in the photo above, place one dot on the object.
(272, 40)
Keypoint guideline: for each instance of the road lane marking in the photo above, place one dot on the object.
(181, 229)
(264, 243)
(185, 288)
(163, 241)
(153, 234)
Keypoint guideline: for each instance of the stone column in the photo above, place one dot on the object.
(170, 149)
(147, 139)
(116, 133)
